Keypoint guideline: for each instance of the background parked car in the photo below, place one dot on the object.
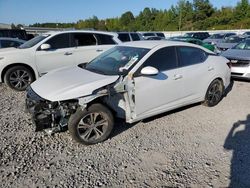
(14, 33)
(197, 35)
(239, 56)
(218, 37)
(10, 42)
(132, 81)
(21, 66)
(195, 41)
(145, 35)
(247, 33)
(154, 38)
(229, 42)
(129, 36)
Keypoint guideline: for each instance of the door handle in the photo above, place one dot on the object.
(99, 50)
(210, 68)
(177, 76)
(68, 53)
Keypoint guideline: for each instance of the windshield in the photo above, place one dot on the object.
(245, 45)
(117, 60)
(233, 40)
(33, 41)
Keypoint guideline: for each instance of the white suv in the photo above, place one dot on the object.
(21, 66)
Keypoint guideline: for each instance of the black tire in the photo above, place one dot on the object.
(18, 78)
(214, 93)
(91, 125)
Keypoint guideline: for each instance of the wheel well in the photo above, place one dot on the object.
(221, 81)
(16, 64)
(101, 101)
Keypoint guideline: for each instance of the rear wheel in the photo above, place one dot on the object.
(92, 125)
(214, 93)
(18, 78)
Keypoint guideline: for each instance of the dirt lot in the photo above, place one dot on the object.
(190, 147)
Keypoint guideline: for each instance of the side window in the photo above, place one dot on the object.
(83, 39)
(163, 59)
(135, 36)
(105, 39)
(59, 41)
(160, 35)
(190, 56)
(124, 37)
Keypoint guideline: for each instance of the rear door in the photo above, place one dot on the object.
(196, 72)
(89, 45)
(60, 54)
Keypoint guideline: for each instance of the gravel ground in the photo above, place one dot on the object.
(189, 147)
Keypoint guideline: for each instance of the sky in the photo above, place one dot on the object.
(40, 11)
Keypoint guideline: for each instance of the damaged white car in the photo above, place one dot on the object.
(132, 81)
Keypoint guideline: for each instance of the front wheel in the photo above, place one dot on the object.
(91, 125)
(18, 78)
(214, 93)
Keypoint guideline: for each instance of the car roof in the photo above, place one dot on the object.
(127, 32)
(159, 43)
(13, 39)
(81, 31)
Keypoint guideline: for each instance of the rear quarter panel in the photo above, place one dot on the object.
(221, 70)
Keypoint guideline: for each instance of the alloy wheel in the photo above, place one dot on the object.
(92, 126)
(215, 93)
(20, 79)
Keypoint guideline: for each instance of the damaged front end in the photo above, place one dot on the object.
(49, 116)
(53, 116)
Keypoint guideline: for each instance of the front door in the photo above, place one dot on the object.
(59, 55)
(154, 94)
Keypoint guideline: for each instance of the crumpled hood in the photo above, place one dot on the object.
(237, 54)
(70, 83)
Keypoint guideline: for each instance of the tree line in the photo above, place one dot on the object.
(185, 15)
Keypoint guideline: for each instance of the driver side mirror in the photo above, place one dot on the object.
(45, 46)
(149, 71)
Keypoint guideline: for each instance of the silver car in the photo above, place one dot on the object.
(132, 81)
(239, 57)
(217, 38)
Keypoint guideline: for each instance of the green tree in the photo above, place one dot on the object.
(127, 21)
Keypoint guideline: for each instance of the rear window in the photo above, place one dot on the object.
(83, 39)
(124, 37)
(148, 34)
(135, 36)
(160, 35)
(190, 56)
(105, 39)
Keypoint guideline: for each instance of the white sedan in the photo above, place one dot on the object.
(132, 81)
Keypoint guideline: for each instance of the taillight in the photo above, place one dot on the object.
(229, 64)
